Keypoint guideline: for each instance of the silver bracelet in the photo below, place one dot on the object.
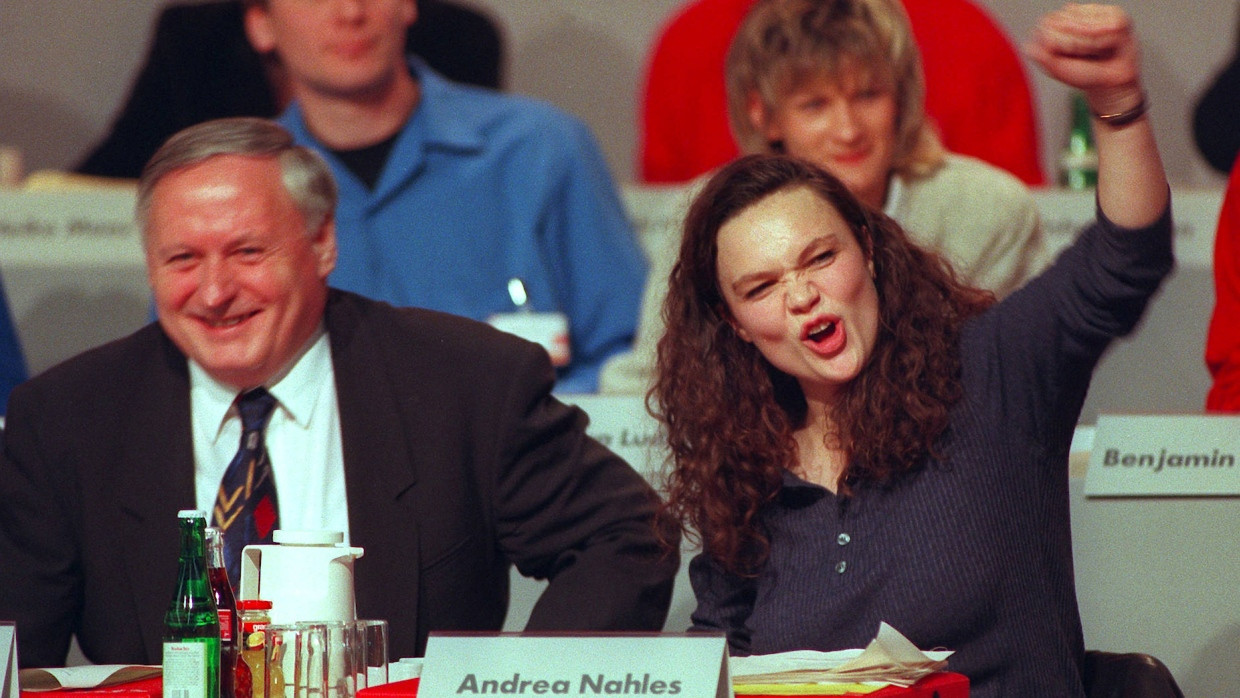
(1125, 117)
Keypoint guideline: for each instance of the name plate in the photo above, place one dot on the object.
(1065, 212)
(76, 228)
(105, 212)
(529, 664)
(1164, 455)
(621, 423)
(8, 660)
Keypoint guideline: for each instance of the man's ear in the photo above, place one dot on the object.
(324, 244)
(258, 29)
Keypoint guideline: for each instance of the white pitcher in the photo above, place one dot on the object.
(307, 576)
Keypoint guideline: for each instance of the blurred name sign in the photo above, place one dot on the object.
(1164, 455)
(1065, 213)
(631, 664)
(106, 211)
(90, 224)
(621, 423)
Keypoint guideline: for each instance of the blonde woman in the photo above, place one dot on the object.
(839, 83)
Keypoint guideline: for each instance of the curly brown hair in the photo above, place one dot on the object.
(730, 415)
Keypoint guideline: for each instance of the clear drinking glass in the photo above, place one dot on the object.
(372, 654)
(296, 661)
(342, 658)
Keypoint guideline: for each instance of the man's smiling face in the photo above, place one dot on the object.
(239, 283)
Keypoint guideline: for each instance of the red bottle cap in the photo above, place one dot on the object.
(253, 605)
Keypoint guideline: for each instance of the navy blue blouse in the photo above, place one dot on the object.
(972, 553)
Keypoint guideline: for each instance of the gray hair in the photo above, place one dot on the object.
(304, 173)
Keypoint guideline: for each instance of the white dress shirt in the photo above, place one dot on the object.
(303, 440)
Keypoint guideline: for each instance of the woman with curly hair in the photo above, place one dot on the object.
(857, 436)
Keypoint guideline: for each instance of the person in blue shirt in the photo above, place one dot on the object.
(449, 193)
(12, 361)
(200, 66)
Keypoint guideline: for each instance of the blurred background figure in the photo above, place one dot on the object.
(1216, 116)
(12, 359)
(840, 84)
(1223, 337)
(965, 53)
(456, 198)
(201, 67)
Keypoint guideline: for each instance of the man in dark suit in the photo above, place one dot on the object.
(456, 461)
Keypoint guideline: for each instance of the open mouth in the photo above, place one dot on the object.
(821, 331)
(824, 335)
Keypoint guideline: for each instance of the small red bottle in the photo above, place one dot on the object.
(226, 602)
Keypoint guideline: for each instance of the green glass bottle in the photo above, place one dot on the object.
(1078, 164)
(191, 664)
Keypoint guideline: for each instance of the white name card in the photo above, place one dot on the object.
(1165, 455)
(528, 664)
(8, 661)
(621, 423)
(1065, 212)
(105, 211)
(87, 228)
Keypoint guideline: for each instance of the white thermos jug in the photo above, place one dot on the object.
(306, 575)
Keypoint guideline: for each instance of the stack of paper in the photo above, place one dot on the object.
(85, 676)
(889, 659)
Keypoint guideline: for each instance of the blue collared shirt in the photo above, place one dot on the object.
(480, 188)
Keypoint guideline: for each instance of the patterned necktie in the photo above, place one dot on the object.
(246, 509)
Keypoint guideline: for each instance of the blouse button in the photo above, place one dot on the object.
(843, 539)
(841, 566)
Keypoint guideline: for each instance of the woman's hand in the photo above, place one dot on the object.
(1092, 48)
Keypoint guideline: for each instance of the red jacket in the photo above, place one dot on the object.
(1223, 337)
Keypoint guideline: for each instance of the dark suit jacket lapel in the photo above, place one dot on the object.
(156, 466)
(380, 464)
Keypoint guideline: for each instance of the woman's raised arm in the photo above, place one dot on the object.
(1094, 48)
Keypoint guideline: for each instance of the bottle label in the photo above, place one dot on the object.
(226, 625)
(252, 635)
(185, 670)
